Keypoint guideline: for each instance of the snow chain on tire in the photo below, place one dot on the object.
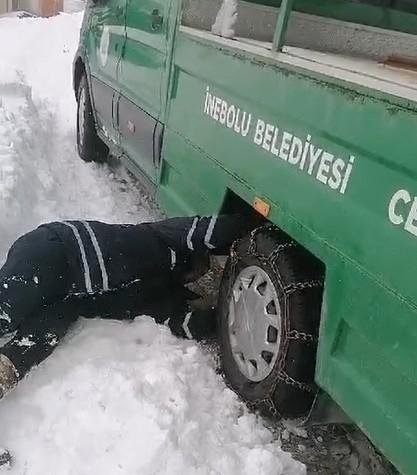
(314, 281)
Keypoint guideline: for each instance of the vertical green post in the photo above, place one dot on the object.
(282, 24)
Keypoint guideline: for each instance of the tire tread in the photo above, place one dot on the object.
(289, 390)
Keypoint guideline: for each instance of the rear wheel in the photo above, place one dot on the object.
(269, 312)
(90, 147)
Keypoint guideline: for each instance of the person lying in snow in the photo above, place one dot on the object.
(62, 270)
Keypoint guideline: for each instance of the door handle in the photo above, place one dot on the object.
(157, 20)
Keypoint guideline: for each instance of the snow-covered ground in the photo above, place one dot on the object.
(115, 397)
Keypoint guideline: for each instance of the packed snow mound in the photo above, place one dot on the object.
(129, 398)
(39, 51)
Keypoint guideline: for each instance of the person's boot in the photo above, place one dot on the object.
(197, 324)
(9, 376)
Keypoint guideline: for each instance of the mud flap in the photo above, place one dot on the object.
(326, 411)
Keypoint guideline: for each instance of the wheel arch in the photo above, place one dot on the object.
(233, 203)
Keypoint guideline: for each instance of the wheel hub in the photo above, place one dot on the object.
(254, 323)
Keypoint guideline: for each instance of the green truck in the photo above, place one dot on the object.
(304, 112)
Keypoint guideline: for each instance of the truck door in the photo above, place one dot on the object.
(106, 38)
(142, 73)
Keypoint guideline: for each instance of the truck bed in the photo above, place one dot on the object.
(364, 72)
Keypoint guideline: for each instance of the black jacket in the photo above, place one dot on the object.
(103, 257)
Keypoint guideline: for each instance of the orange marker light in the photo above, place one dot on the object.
(262, 207)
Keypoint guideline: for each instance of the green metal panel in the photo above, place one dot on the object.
(143, 77)
(105, 37)
(341, 207)
(282, 25)
(367, 356)
(144, 57)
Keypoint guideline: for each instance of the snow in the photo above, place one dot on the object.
(25, 341)
(125, 399)
(115, 397)
(4, 316)
(226, 19)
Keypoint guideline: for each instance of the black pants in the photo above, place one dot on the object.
(35, 301)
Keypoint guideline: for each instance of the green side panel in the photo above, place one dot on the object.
(145, 52)
(142, 78)
(191, 183)
(104, 38)
(365, 374)
(367, 355)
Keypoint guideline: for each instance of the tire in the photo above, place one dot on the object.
(270, 362)
(90, 147)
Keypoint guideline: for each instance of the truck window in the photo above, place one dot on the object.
(329, 41)
(255, 20)
(318, 26)
(402, 5)
(339, 35)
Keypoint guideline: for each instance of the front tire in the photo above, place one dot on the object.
(90, 147)
(269, 312)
